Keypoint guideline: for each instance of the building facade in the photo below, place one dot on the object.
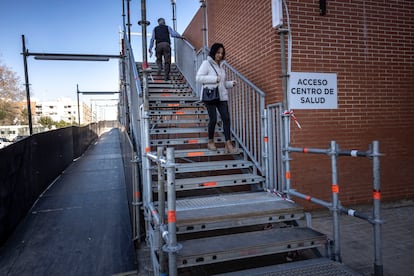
(369, 45)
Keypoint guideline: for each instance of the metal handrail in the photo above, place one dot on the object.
(247, 115)
(246, 104)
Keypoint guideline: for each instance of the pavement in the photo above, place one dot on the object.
(80, 225)
(357, 238)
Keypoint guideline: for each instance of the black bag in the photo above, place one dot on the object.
(210, 94)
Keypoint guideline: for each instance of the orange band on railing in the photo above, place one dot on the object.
(195, 154)
(173, 105)
(137, 194)
(158, 81)
(308, 197)
(192, 141)
(376, 194)
(147, 149)
(266, 139)
(287, 175)
(209, 184)
(305, 150)
(335, 188)
(165, 95)
(180, 112)
(172, 216)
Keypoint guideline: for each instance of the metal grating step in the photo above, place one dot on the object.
(202, 152)
(201, 130)
(212, 166)
(312, 267)
(171, 91)
(216, 181)
(233, 210)
(177, 112)
(183, 141)
(165, 121)
(244, 245)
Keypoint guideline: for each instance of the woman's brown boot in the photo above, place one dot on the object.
(229, 148)
(211, 145)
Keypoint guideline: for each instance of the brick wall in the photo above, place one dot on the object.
(370, 45)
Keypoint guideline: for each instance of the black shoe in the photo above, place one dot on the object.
(166, 78)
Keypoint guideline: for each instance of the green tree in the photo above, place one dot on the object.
(46, 121)
(62, 123)
(10, 93)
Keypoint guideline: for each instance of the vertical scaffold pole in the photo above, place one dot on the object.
(172, 246)
(335, 202)
(286, 156)
(378, 268)
(136, 199)
(161, 208)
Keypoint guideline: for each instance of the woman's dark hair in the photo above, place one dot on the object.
(214, 48)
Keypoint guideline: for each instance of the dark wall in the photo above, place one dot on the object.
(29, 166)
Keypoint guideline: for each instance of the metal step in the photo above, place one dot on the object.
(202, 152)
(212, 166)
(165, 121)
(216, 181)
(187, 97)
(177, 112)
(244, 245)
(183, 141)
(201, 130)
(171, 91)
(180, 102)
(163, 84)
(233, 210)
(312, 267)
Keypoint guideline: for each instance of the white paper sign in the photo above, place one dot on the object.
(312, 91)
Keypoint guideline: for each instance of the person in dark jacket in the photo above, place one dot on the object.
(161, 35)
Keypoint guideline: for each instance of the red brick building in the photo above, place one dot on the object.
(370, 45)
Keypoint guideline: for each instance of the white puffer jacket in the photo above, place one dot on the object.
(208, 78)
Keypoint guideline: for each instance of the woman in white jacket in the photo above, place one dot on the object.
(212, 74)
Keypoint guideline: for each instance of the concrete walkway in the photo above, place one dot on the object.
(81, 224)
(357, 243)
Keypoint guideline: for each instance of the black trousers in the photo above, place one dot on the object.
(163, 49)
(223, 108)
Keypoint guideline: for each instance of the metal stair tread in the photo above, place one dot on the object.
(203, 166)
(317, 266)
(201, 152)
(183, 141)
(219, 178)
(229, 207)
(177, 112)
(249, 244)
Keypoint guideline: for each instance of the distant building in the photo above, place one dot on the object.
(63, 109)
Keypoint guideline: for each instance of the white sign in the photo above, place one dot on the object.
(277, 13)
(312, 91)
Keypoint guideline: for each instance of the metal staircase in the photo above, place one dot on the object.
(225, 222)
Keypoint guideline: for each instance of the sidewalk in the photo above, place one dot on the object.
(357, 243)
(80, 225)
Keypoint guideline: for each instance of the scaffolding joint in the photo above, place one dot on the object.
(172, 248)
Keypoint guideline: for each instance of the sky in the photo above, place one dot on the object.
(76, 27)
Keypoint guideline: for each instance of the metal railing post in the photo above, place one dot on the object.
(286, 155)
(265, 141)
(335, 202)
(161, 208)
(378, 269)
(172, 246)
(136, 199)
